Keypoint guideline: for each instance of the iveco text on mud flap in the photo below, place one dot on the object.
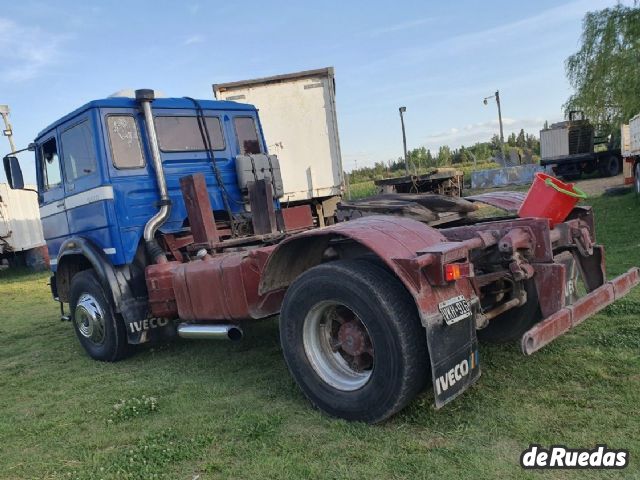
(453, 349)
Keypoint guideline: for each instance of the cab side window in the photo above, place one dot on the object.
(79, 157)
(50, 164)
(247, 133)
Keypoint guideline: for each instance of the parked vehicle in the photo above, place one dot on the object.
(631, 152)
(164, 217)
(300, 124)
(572, 148)
(20, 229)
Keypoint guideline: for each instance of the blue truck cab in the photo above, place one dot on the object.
(98, 188)
(95, 180)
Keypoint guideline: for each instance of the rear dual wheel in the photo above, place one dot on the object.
(353, 341)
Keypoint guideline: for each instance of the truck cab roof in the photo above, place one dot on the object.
(165, 103)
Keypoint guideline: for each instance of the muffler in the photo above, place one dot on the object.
(219, 332)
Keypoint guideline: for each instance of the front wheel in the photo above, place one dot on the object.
(353, 341)
(101, 332)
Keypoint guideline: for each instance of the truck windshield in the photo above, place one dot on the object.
(182, 134)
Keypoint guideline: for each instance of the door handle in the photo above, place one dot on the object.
(60, 205)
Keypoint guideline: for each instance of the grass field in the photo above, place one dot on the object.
(219, 410)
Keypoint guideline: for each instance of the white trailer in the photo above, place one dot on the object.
(298, 116)
(630, 145)
(20, 227)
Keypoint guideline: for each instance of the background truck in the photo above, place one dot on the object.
(572, 148)
(631, 152)
(164, 217)
(298, 115)
(21, 236)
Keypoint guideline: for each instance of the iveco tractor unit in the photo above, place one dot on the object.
(164, 217)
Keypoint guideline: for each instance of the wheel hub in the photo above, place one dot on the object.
(338, 346)
(352, 338)
(89, 319)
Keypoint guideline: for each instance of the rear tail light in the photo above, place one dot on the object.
(454, 271)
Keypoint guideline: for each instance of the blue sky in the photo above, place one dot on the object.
(440, 59)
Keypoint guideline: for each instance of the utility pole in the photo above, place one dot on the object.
(404, 141)
(500, 116)
(8, 132)
(497, 97)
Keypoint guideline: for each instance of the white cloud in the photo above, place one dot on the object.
(25, 52)
(482, 132)
(193, 39)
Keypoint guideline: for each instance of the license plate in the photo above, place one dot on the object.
(454, 309)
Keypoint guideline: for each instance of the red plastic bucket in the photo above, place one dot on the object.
(550, 198)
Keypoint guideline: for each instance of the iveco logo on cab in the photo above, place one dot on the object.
(457, 373)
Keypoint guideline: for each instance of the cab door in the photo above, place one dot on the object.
(51, 195)
(89, 195)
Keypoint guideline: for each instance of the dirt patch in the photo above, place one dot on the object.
(597, 186)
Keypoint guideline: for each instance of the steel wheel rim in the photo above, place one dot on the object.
(330, 357)
(89, 319)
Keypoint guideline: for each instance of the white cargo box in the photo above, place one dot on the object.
(298, 116)
(554, 142)
(20, 227)
(630, 143)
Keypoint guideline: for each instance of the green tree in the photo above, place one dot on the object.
(444, 156)
(430, 161)
(521, 140)
(605, 71)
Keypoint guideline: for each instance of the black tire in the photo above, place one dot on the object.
(609, 166)
(636, 178)
(400, 363)
(86, 290)
(512, 324)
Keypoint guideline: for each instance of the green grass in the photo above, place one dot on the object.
(223, 410)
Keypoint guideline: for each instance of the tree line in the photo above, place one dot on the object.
(423, 159)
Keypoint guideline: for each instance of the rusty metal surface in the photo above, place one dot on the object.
(539, 227)
(224, 287)
(388, 237)
(297, 218)
(263, 216)
(199, 211)
(509, 201)
(159, 279)
(550, 286)
(568, 317)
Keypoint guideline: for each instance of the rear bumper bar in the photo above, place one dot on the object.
(568, 317)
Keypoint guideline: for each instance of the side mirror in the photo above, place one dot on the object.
(13, 172)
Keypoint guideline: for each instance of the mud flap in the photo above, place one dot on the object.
(142, 328)
(453, 350)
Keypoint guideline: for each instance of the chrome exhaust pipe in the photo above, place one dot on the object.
(144, 97)
(216, 332)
